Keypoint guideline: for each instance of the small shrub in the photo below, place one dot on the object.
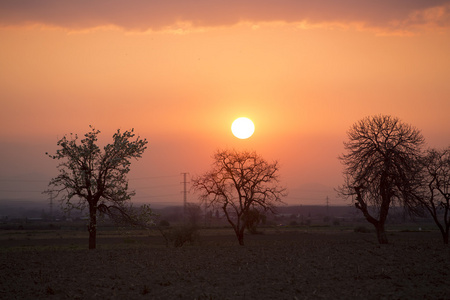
(362, 229)
(178, 236)
(184, 234)
(252, 219)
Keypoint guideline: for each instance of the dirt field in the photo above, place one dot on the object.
(279, 264)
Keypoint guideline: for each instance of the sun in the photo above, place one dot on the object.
(242, 128)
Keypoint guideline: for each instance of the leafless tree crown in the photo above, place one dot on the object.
(381, 151)
(238, 183)
(240, 179)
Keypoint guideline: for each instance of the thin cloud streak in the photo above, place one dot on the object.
(141, 15)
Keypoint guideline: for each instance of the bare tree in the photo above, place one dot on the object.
(96, 178)
(435, 196)
(380, 166)
(238, 183)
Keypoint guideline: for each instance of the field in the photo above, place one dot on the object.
(281, 263)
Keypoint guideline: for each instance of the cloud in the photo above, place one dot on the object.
(142, 15)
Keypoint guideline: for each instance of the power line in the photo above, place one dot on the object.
(155, 196)
(143, 187)
(184, 191)
(153, 177)
(51, 206)
(11, 191)
(155, 186)
(41, 180)
(24, 180)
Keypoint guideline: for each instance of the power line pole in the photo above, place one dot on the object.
(185, 182)
(51, 206)
(328, 202)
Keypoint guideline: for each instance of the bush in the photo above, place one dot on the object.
(182, 235)
(178, 236)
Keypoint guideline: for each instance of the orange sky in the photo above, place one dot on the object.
(180, 74)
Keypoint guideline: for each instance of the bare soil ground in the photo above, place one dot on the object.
(279, 264)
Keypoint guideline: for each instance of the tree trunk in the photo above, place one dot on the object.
(445, 237)
(239, 233)
(240, 236)
(92, 227)
(444, 234)
(378, 224)
(381, 233)
(236, 227)
(444, 231)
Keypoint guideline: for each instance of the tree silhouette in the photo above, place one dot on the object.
(435, 196)
(96, 178)
(240, 182)
(380, 166)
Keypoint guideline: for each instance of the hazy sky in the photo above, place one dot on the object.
(179, 72)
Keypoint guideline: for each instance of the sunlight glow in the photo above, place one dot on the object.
(242, 128)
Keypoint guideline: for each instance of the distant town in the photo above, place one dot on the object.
(36, 215)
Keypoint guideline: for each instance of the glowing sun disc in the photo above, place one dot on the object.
(242, 128)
